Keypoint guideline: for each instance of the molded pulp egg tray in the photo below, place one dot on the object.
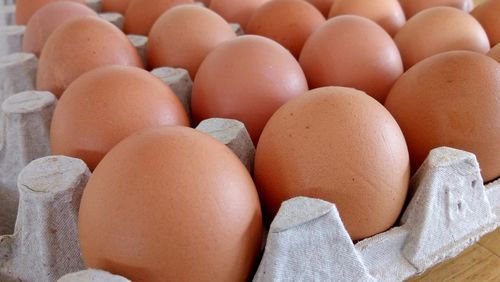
(450, 208)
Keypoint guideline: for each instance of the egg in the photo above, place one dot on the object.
(488, 14)
(184, 35)
(437, 30)
(78, 46)
(171, 204)
(387, 13)
(142, 14)
(322, 5)
(236, 11)
(105, 105)
(352, 51)
(495, 52)
(248, 79)
(118, 6)
(340, 145)
(47, 19)
(413, 7)
(26, 8)
(451, 99)
(288, 22)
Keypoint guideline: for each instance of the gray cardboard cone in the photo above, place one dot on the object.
(116, 19)
(179, 81)
(7, 15)
(17, 73)
(95, 5)
(92, 275)
(140, 43)
(11, 39)
(7, 2)
(236, 27)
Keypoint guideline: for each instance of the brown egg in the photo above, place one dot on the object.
(495, 52)
(118, 6)
(236, 11)
(184, 35)
(248, 79)
(322, 5)
(103, 106)
(171, 204)
(352, 51)
(142, 14)
(488, 14)
(340, 145)
(413, 7)
(47, 19)
(26, 8)
(78, 46)
(288, 22)
(451, 99)
(387, 13)
(438, 30)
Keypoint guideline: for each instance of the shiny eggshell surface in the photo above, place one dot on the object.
(438, 30)
(171, 204)
(184, 35)
(352, 51)
(488, 14)
(322, 5)
(78, 46)
(451, 99)
(236, 11)
(26, 8)
(248, 79)
(387, 13)
(47, 19)
(340, 145)
(104, 106)
(413, 7)
(142, 14)
(118, 6)
(495, 52)
(288, 22)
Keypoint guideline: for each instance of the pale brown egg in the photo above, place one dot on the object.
(288, 22)
(451, 99)
(438, 30)
(47, 19)
(322, 5)
(104, 106)
(80, 45)
(340, 145)
(387, 13)
(352, 51)
(488, 14)
(26, 8)
(184, 35)
(142, 14)
(413, 7)
(248, 79)
(495, 52)
(171, 204)
(236, 11)
(118, 6)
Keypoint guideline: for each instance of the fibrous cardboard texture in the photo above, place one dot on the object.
(17, 73)
(179, 81)
(95, 5)
(11, 39)
(116, 19)
(140, 43)
(92, 275)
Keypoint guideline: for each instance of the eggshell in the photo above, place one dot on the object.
(438, 30)
(352, 51)
(488, 14)
(451, 99)
(26, 8)
(118, 6)
(142, 14)
(340, 145)
(288, 22)
(387, 13)
(80, 45)
(171, 204)
(495, 52)
(183, 36)
(47, 19)
(413, 7)
(236, 11)
(248, 79)
(103, 106)
(322, 5)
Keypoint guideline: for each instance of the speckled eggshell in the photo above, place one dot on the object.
(142, 14)
(26, 8)
(340, 145)
(322, 5)
(80, 45)
(248, 79)
(413, 7)
(451, 99)
(387, 13)
(438, 30)
(495, 52)
(488, 14)
(184, 35)
(352, 51)
(118, 6)
(236, 11)
(47, 19)
(104, 106)
(288, 22)
(171, 204)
